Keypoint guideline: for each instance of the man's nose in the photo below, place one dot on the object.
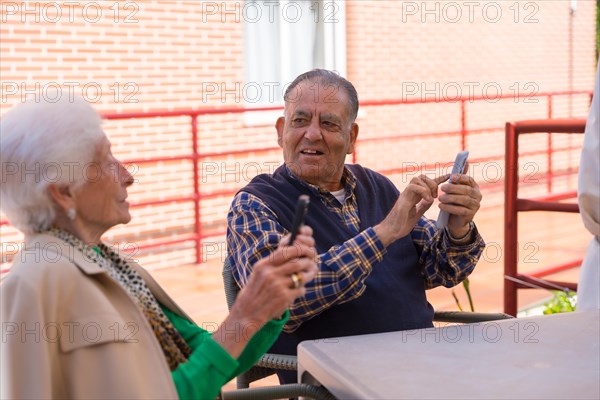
(313, 132)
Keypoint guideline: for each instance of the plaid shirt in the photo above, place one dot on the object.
(254, 233)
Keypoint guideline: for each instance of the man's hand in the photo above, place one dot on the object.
(416, 198)
(461, 199)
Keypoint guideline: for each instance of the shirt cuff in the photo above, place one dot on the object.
(467, 239)
(281, 320)
(475, 241)
(273, 328)
(217, 356)
(374, 250)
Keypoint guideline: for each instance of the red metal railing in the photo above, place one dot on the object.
(513, 204)
(196, 197)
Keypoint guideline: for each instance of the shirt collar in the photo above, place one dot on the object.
(348, 182)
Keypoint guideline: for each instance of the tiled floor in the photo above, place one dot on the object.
(544, 239)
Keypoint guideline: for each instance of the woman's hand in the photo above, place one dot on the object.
(272, 287)
(276, 281)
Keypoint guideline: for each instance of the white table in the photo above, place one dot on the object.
(546, 357)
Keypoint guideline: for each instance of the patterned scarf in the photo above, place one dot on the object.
(174, 347)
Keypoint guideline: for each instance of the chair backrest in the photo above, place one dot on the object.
(231, 287)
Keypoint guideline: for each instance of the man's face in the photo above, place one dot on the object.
(316, 133)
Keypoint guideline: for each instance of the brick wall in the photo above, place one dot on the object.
(398, 50)
(173, 55)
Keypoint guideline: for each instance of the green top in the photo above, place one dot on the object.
(210, 366)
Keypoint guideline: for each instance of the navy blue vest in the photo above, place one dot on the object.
(394, 298)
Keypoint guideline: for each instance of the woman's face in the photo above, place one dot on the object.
(101, 201)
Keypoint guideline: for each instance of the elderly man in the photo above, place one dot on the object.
(377, 254)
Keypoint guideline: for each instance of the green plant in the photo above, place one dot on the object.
(465, 284)
(561, 302)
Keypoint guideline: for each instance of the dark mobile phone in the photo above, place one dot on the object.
(301, 209)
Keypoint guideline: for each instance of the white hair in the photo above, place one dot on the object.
(44, 140)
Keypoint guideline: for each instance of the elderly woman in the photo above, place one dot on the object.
(80, 320)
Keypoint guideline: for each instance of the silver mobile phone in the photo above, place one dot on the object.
(459, 167)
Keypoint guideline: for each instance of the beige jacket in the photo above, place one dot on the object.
(70, 331)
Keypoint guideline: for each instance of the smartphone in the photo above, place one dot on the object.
(301, 209)
(458, 168)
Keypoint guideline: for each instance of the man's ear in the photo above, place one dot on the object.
(353, 136)
(279, 126)
(61, 195)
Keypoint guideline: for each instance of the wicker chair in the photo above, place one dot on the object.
(266, 366)
(269, 363)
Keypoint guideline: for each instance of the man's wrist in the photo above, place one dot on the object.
(386, 236)
(465, 239)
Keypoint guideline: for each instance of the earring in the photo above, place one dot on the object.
(71, 213)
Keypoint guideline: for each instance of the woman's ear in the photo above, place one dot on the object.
(62, 196)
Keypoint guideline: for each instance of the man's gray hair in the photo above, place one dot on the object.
(327, 78)
(47, 139)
